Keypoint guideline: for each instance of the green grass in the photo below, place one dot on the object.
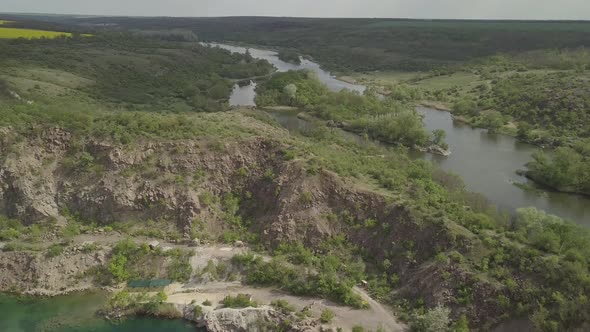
(459, 79)
(13, 33)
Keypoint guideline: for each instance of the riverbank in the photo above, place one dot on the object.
(433, 149)
(530, 175)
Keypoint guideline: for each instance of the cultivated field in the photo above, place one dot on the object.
(12, 33)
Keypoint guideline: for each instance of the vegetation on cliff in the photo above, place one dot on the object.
(339, 211)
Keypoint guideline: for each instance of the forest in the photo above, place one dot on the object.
(357, 45)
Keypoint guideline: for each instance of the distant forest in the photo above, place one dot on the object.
(368, 44)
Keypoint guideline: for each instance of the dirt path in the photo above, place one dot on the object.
(384, 313)
(376, 317)
(371, 319)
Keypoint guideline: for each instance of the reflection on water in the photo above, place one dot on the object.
(331, 82)
(488, 164)
(74, 313)
(244, 96)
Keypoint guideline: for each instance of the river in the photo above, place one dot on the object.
(486, 162)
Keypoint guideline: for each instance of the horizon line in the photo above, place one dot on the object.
(304, 17)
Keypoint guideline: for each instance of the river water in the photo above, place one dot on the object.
(244, 95)
(74, 313)
(486, 162)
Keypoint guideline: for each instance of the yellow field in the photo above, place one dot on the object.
(4, 22)
(11, 33)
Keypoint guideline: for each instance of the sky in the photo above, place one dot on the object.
(444, 9)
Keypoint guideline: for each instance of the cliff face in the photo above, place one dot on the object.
(48, 175)
(36, 274)
(43, 177)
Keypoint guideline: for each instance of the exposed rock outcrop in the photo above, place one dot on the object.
(36, 274)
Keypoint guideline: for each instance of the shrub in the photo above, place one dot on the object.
(9, 234)
(441, 258)
(238, 301)
(434, 320)
(198, 311)
(283, 306)
(89, 247)
(305, 197)
(117, 267)
(461, 325)
(327, 316)
(207, 303)
(180, 268)
(72, 229)
(456, 257)
(55, 250)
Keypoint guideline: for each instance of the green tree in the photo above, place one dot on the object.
(524, 130)
(434, 320)
(117, 268)
(492, 120)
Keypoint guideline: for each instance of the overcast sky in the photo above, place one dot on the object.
(466, 9)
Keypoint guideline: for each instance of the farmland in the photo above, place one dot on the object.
(12, 33)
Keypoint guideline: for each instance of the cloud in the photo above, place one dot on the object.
(465, 9)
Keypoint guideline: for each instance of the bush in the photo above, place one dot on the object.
(327, 316)
(117, 268)
(180, 268)
(55, 250)
(283, 306)
(238, 301)
(434, 320)
(9, 234)
(197, 311)
(207, 303)
(461, 325)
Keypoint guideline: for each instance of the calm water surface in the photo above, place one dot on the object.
(74, 313)
(486, 162)
(244, 95)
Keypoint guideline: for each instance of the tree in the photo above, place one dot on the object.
(461, 325)
(465, 106)
(434, 320)
(290, 92)
(438, 138)
(492, 120)
(117, 268)
(524, 130)
(219, 91)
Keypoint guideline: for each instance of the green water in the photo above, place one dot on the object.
(74, 313)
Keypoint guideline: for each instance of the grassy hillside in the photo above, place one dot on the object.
(128, 70)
